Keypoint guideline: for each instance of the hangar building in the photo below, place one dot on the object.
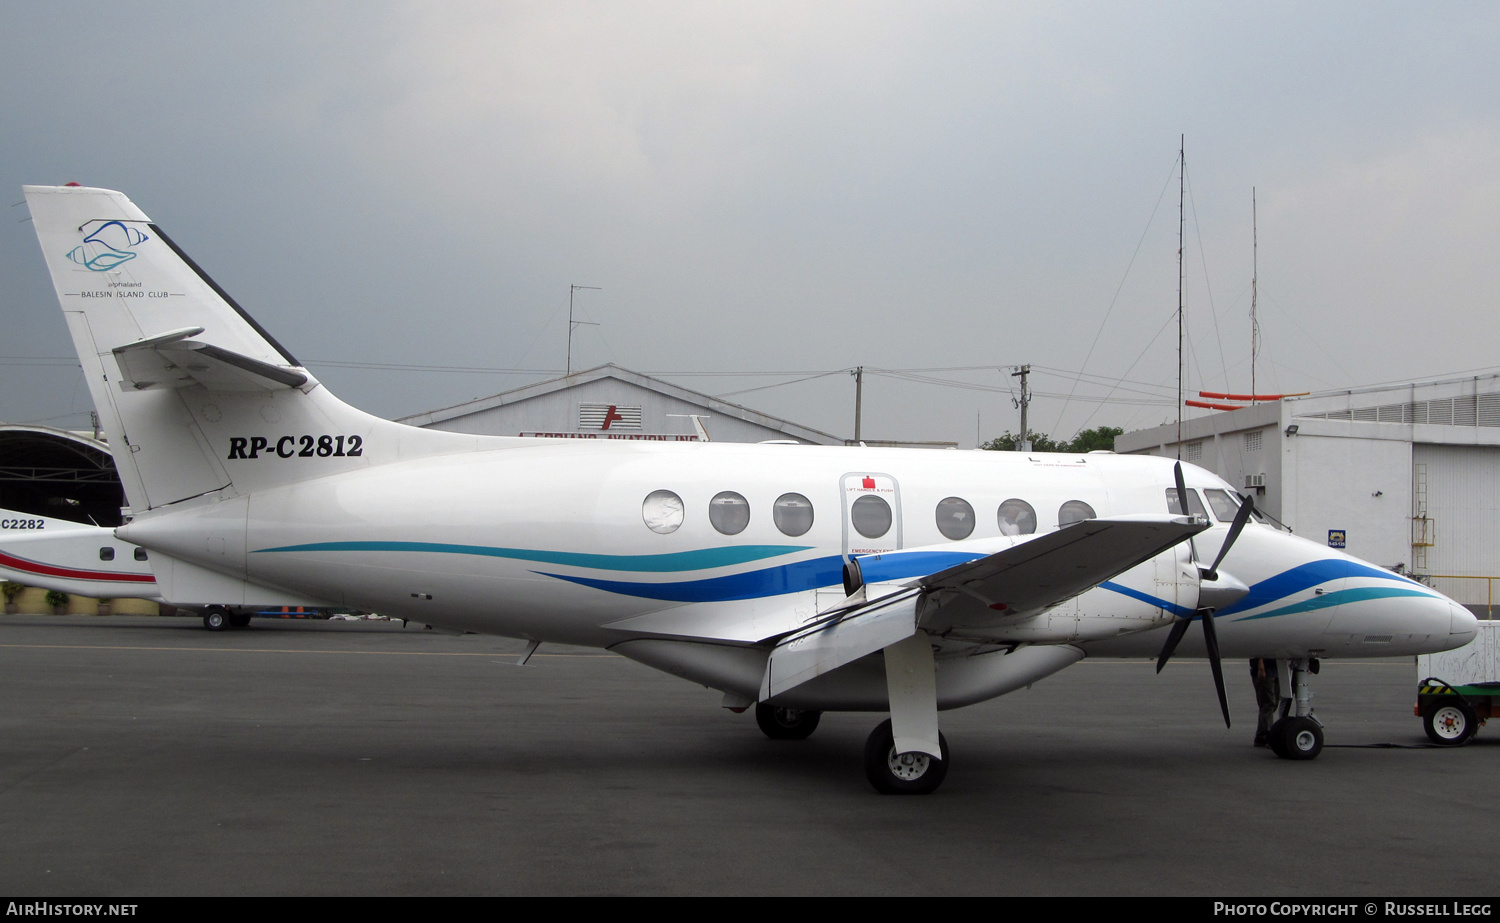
(609, 402)
(1406, 476)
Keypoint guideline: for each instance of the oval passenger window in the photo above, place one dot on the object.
(871, 516)
(729, 512)
(1016, 517)
(662, 511)
(793, 514)
(955, 518)
(1074, 511)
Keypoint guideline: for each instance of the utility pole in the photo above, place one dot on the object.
(1023, 402)
(859, 398)
(576, 323)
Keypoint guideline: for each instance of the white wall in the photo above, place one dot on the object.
(1332, 482)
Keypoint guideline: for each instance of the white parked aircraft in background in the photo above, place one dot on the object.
(86, 560)
(72, 557)
(796, 579)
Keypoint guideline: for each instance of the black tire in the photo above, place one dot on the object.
(215, 618)
(780, 723)
(907, 774)
(1450, 722)
(1274, 738)
(239, 620)
(1301, 739)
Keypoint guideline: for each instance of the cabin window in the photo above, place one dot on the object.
(1016, 517)
(1194, 504)
(955, 518)
(729, 512)
(106, 554)
(1074, 511)
(871, 516)
(662, 511)
(793, 514)
(140, 554)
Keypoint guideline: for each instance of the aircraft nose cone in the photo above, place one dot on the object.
(1462, 625)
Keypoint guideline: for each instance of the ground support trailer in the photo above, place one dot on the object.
(1459, 690)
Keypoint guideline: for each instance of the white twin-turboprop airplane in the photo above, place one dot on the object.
(795, 579)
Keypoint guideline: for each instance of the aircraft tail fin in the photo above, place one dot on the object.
(194, 396)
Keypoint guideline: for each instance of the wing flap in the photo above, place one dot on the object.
(810, 653)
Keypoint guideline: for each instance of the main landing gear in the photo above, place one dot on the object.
(893, 773)
(779, 723)
(218, 618)
(1297, 734)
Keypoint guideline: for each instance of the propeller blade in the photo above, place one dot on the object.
(1211, 642)
(1240, 518)
(1182, 502)
(1179, 628)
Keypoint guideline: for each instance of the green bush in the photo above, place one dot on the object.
(56, 598)
(11, 589)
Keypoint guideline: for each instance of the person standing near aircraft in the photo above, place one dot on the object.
(1267, 696)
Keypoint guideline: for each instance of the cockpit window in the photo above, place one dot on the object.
(1174, 506)
(1224, 507)
(1074, 511)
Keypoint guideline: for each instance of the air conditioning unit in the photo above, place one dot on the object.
(1255, 481)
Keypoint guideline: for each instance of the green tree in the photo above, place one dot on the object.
(1087, 441)
(1091, 440)
(1010, 442)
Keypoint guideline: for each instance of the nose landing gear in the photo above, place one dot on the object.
(1297, 735)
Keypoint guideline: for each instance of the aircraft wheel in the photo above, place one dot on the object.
(780, 723)
(906, 773)
(1301, 739)
(1450, 723)
(215, 618)
(1274, 738)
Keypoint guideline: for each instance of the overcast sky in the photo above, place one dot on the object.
(784, 187)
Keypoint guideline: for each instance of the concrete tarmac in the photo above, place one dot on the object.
(146, 756)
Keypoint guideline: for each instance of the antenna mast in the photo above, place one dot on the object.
(576, 323)
(1254, 279)
(1181, 186)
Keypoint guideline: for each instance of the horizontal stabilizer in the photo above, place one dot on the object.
(172, 360)
(812, 652)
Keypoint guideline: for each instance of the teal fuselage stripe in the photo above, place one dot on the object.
(676, 562)
(1337, 598)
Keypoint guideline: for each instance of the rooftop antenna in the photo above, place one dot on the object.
(576, 323)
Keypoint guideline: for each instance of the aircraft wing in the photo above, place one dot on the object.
(1038, 574)
(1006, 586)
